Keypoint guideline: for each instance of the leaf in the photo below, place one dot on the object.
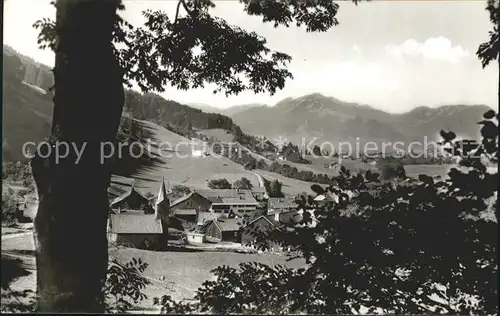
(447, 136)
(489, 130)
(489, 114)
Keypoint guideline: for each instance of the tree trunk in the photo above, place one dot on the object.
(70, 225)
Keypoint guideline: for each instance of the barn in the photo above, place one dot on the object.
(256, 230)
(227, 229)
(136, 229)
(188, 206)
(132, 200)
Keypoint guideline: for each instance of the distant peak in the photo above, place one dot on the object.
(315, 95)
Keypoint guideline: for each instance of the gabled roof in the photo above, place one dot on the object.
(205, 217)
(131, 190)
(181, 199)
(115, 191)
(270, 220)
(327, 197)
(229, 224)
(228, 196)
(135, 223)
(280, 203)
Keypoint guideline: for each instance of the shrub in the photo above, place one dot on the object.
(9, 206)
(391, 169)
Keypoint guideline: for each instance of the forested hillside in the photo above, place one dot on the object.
(28, 107)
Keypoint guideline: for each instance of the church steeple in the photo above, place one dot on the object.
(162, 204)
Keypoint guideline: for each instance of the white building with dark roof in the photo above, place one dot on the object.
(226, 201)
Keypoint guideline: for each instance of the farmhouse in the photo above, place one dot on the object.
(131, 200)
(280, 205)
(227, 229)
(259, 193)
(136, 229)
(258, 228)
(188, 206)
(205, 217)
(326, 199)
(224, 201)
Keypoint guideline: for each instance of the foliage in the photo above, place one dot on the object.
(391, 168)
(9, 206)
(14, 301)
(408, 248)
(123, 288)
(273, 188)
(179, 191)
(242, 183)
(285, 170)
(162, 51)
(124, 285)
(219, 184)
(173, 115)
(17, 172)
(490, 50)
(292, 153)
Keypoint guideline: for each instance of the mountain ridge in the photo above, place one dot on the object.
(316, 115)
(308, 116)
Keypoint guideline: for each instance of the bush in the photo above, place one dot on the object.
(123, 288)
(9, 207)
(391, 169)
(243, 184)
(219, 184)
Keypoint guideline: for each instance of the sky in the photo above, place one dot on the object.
(392, 55)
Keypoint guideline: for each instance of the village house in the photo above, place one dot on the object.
(326, 199)
(280, 205)
(255, 232)
(225, 201)
(139, 229)
(132, 199)
(135, 229)
(188, 206)
(259, 193)
(204, 217)
(223, 230)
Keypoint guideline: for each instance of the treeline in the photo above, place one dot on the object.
(247, 160)
(184, 120)
(19, 68)
(156, 109)
(292, 153)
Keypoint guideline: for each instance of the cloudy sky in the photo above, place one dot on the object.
(393, 55)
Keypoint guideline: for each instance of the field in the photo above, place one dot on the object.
(184, 168)
(290, 186)
(414, 171)
(184, 272)
(219, 133)
(318, 165)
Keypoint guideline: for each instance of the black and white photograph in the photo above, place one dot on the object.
(250, 157)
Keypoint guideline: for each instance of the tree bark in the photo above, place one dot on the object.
(70, 225)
